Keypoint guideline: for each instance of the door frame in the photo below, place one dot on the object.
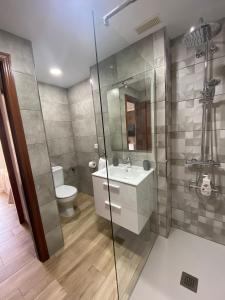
(11, 169)
(22, 155)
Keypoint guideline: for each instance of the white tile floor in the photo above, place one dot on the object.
(160, 279)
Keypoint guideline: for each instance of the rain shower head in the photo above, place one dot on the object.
(199, 35)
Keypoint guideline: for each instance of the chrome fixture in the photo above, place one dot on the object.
(200, 36)
(128, 161)
(208, 163)
(200, 39)
(117, 9)
(123, 83)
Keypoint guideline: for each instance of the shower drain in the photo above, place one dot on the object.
(189, 281)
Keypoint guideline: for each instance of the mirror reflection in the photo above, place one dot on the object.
(129, 105)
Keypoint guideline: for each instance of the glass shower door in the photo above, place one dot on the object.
(123, 85)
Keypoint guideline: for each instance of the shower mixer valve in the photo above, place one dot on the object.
(209, 91)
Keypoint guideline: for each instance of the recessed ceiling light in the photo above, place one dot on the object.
(55, 71)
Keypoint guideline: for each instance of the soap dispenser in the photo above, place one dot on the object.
(206, 188)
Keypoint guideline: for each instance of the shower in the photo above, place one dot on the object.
(200, 38)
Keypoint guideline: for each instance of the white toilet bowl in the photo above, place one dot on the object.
(65, 194)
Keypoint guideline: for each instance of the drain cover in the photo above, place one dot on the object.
(189, 281)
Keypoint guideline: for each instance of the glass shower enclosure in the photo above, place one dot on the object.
(127, 82)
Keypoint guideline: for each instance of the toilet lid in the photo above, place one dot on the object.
(65, 191)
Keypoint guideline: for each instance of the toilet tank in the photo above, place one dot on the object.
(58, 177)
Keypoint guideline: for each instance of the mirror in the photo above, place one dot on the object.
(130, 113)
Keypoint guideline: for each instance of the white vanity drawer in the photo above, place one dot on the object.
(121, 194)
(123, 217)
(123, 204)
(101, 195)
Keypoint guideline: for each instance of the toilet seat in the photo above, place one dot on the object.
(65, 191)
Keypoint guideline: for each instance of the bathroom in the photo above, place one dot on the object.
(122, 109)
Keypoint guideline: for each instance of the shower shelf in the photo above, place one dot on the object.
(195, 162)
(191, 186)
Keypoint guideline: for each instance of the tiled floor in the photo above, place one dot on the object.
(160, 279)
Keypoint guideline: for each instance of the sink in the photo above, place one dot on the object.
(133, 175)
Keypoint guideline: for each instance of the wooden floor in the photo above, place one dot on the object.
(83, 269)
(16, 246)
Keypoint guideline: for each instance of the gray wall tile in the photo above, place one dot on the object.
(27, 92)
(61, 146)
(79, 91)
(84, 129)
(85, 143)
(52, 94)
(44, 188)
(29, 102)
(49, 216)
(20, 51)
(39, 158)
(33, 126)
(59, 131)
(56, 112)
(54, 240)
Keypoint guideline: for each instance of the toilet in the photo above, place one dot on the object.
(65, 194)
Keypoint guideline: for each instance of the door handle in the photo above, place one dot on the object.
(113, 186)
(113, 205)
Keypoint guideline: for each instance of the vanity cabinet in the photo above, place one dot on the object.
(131, 205)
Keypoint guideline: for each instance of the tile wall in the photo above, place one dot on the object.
(27, 92)
(202, 217)
(84, 129)
(59, 130)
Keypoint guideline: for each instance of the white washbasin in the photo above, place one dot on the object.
(133, 175)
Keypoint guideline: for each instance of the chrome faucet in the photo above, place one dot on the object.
(128, 161)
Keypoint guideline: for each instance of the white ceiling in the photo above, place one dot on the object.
(62, 33)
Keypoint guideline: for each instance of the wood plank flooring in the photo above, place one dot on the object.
(16, 245)
(83, 269)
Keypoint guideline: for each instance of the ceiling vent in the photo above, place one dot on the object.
(147, 25)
